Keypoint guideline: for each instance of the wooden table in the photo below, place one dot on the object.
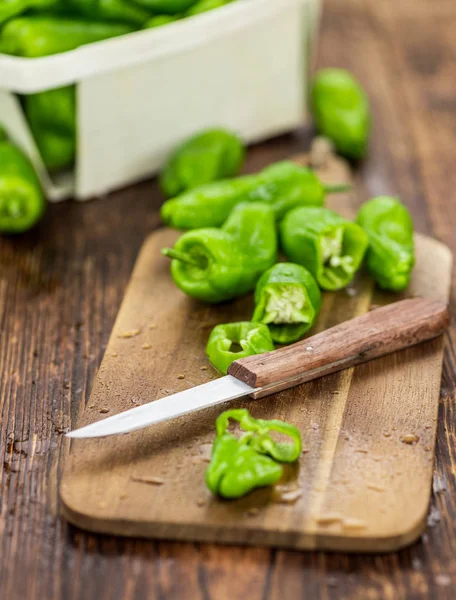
(60, 289)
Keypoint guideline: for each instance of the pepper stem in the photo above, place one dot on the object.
(336, 188)
(185, 258)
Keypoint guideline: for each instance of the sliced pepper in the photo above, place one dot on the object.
(239, 465)
(330, 247)
(22, 203)
(234, 341)
(237, 469)
(261, 440)
(341, 111)
(214, 265)
(12, 8)
(391, 255)
(208, 156)
(283, 186)
(288, 300)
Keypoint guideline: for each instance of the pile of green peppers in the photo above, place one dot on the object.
(36, 28)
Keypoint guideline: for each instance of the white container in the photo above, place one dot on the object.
(243, 66)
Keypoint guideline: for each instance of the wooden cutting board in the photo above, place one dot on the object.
(363, 482)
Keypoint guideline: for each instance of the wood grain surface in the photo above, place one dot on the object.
(60, 291)
(368, 432)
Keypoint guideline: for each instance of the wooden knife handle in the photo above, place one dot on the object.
(379, 332)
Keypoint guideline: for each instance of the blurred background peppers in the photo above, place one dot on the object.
(341, 112)
(21, 200)
(205, 157)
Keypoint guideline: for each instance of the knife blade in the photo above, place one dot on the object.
(385, 330)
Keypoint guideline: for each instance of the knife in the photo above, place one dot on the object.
(382, 331)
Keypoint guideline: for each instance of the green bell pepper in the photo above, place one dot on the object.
(259, 431)
(236, 469)
(341, 111)
(119, 11)
(36, 36)
(214, 265)
(208, 156)
(288, 300)
(52, 119)
(22, 203)
(240, 465)
(160, 20)
(233, 341)
(167, 7)
(391, 254)
(330, 247)
(12, 8)
(283, 185)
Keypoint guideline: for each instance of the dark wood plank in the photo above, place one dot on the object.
(60, 290)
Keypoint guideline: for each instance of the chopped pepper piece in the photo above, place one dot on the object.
(214, 265)
(283, 186)
(119, 11)
(288, 300)
(391, 254)
(208, 156)
(330, 247)
(233, 341)
(239, 465)
(12, 8)
(341, 111)
(22, 203)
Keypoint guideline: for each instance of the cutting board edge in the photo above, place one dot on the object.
(245, 536)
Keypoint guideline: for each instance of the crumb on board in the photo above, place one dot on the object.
(410, 438)
(129, 334)
(153, 326)
(91, 406)
(148, 480)
(352, 523)
(329, 519)
(252, 512)
(201, 502)
(147, 346)
(103, 411)
(181, 376)
(375, 487)
(114, 354)
(204, 368)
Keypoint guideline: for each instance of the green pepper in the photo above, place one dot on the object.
(237, 469)
(260, 438)
(203, 6)
(120, 11)
(12, 8)
(52, 119)
(330, 247)
(391, 253)
(208, 156)
(35, 36)
(233, 341)
(22, 203)
(283, 185)
(341, 111)
(167, 7)
(239, 465)
(288, 300)
(214, 265)
(160, 20)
